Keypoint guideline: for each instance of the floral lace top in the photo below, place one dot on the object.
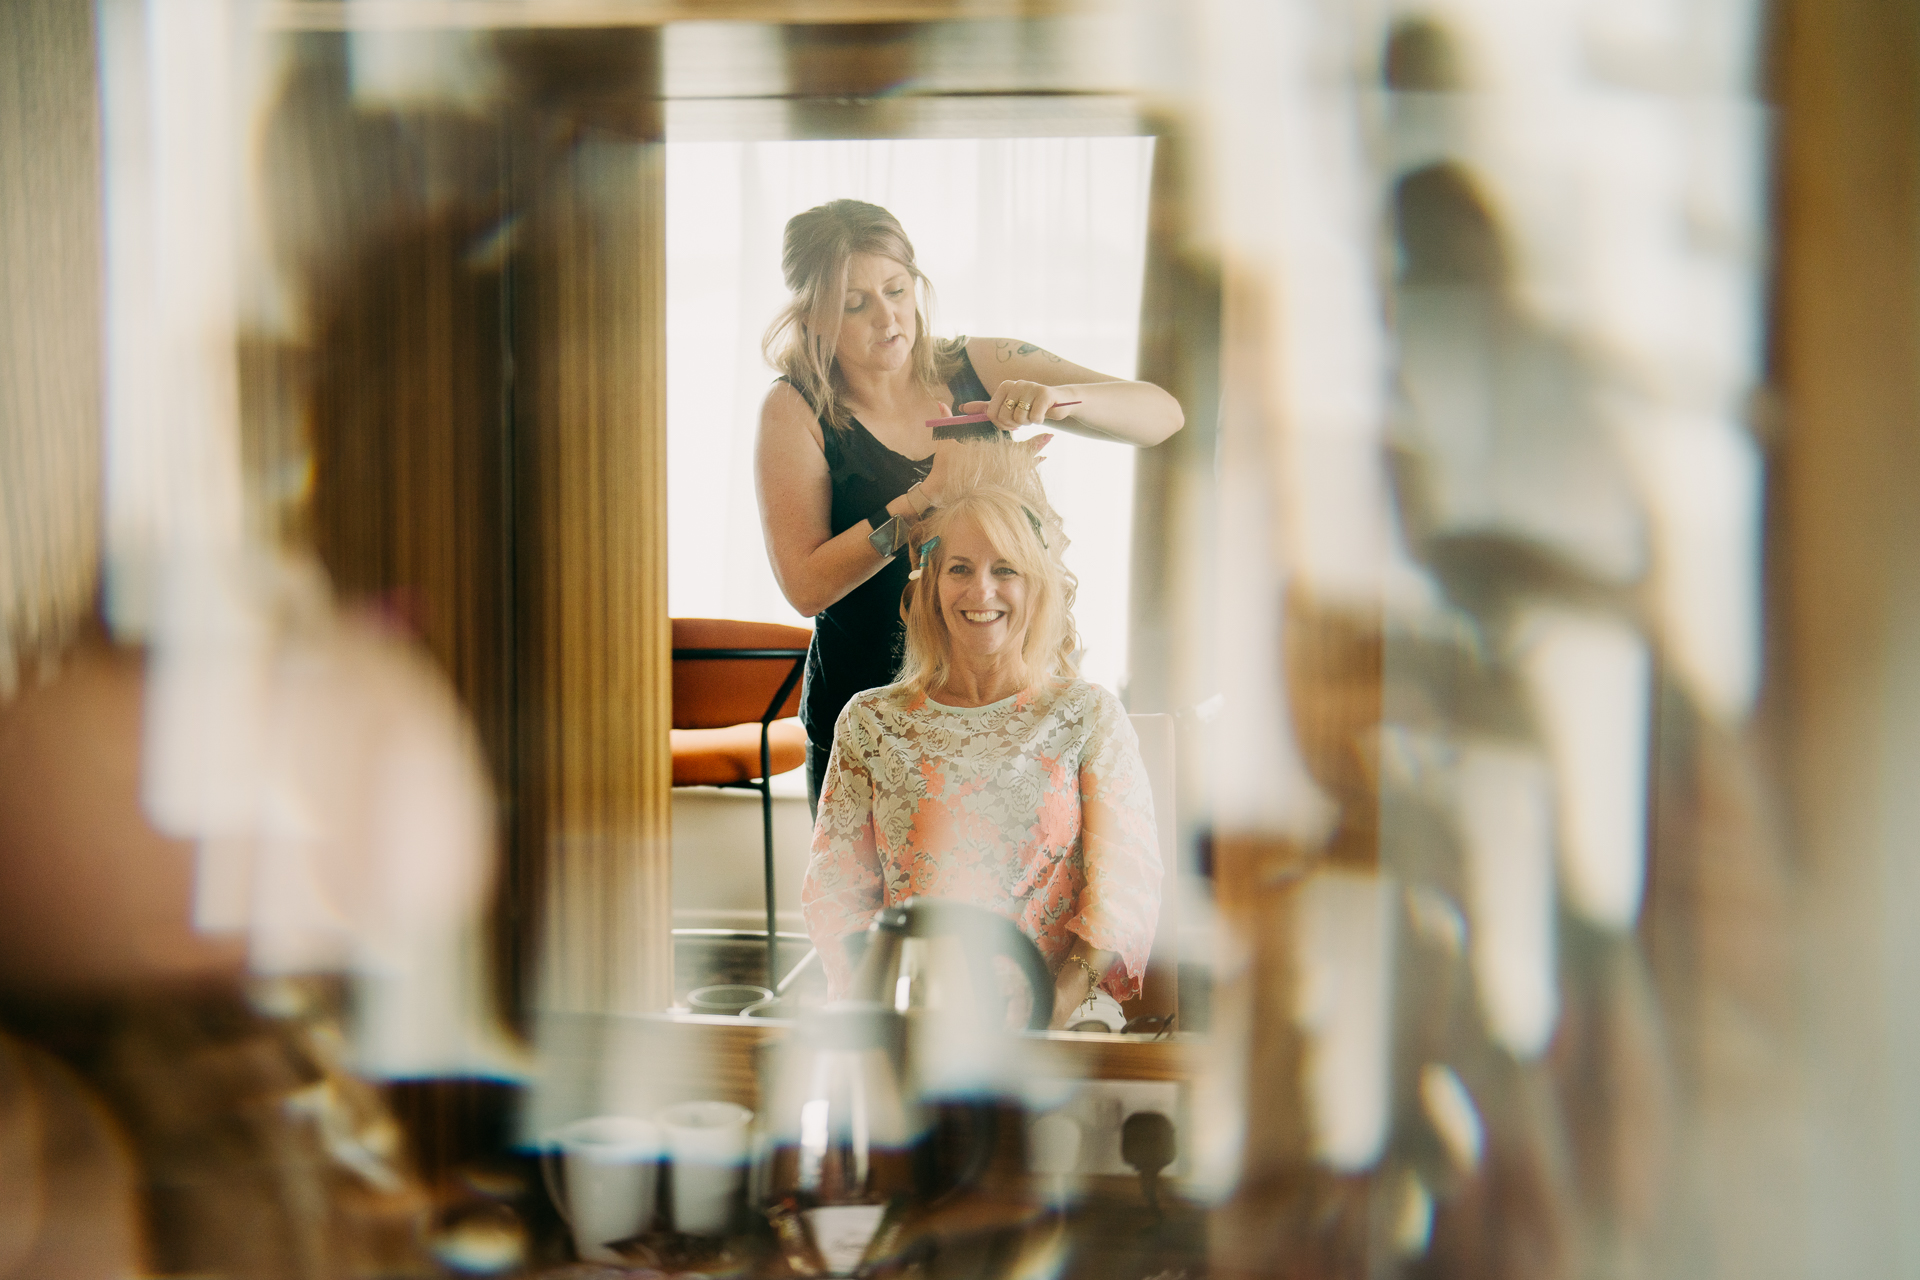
(1036, 806)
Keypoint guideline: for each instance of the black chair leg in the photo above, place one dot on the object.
(766, 821)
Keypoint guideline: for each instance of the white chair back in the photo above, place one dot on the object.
(1163, 966)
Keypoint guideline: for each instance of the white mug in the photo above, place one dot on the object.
(707, 1145)
(612, 1164)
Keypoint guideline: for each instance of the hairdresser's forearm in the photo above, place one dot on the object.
(1136, 413)
(826, 574)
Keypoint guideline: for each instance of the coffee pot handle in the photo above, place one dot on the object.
(984, 934)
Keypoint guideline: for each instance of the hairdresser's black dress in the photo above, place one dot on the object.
(858, 640)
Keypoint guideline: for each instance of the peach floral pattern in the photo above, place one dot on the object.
(1036, 806)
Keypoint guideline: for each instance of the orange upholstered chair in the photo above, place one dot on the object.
(736, 702)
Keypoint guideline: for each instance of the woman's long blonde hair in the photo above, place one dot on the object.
(997, 486)
(813, 260)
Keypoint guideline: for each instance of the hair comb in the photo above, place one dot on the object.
(945, 428)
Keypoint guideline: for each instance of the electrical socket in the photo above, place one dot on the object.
(1101, 1107)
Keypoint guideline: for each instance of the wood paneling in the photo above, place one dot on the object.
(1173, 482)
(409, 499)
(485, 401)
(50, 325)
(375, 432)
(337, 15)
(1844, 549)
(594, 661)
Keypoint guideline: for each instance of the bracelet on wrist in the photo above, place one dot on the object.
(889, 533)
(1093, 978)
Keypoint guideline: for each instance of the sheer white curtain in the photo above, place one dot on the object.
(1042, 239)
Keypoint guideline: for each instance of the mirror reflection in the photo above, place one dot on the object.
(1036, 235)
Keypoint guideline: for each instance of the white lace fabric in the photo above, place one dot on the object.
(1036, 807)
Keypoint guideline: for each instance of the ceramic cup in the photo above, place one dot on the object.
(610, 1165)
(706, 1144)
(728, 998)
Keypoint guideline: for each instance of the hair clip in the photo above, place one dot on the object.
(921, 555)
(1038, 532)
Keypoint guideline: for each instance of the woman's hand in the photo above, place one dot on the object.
(1029, 384)
(1019, 403)
(944, 452)
(1073, 983)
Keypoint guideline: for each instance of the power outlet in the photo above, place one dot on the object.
(1098, 1109)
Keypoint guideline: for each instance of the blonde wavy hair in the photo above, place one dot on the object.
(813, 261)
(996, 485)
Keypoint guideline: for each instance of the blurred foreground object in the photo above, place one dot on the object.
(94, 899)
(66, 1183)
(340, 809)
(313, 805)
(1488, 384)
(256, 1151)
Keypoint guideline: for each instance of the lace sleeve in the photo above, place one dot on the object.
(842, 887)
(1120, 905)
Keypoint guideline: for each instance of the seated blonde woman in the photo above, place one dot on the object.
(990, 772)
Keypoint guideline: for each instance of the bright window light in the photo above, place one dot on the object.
(1042, 239)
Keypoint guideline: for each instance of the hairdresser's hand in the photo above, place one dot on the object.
(945, 451)
(1018, 403)
(935, 485)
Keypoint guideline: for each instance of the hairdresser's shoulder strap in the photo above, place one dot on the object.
(964, 382)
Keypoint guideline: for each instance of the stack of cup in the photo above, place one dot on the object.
(609, 1166)
(706, 1145)
(608, 1169)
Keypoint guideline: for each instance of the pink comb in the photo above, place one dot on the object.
(965, 418)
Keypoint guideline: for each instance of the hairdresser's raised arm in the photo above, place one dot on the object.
(1027, 382)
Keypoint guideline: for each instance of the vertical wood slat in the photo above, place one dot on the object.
(489, 447)
(1173, 487)
(392, 402)
(50, 357)
(590, 353)
(1844, 549)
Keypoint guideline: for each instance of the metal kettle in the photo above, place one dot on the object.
(936, 957)
(886, 1107)
(841, 1138)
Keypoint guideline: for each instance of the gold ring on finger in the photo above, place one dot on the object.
(1025, 405)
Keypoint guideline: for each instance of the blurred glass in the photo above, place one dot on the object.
(1551, 909)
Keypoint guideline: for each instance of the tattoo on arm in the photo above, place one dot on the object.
(1006, 350)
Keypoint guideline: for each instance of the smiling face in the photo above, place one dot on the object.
(877, 329)
(983, 597)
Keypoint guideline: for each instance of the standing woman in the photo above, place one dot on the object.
(845, 462)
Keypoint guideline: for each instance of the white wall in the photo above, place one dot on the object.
(717, 862)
